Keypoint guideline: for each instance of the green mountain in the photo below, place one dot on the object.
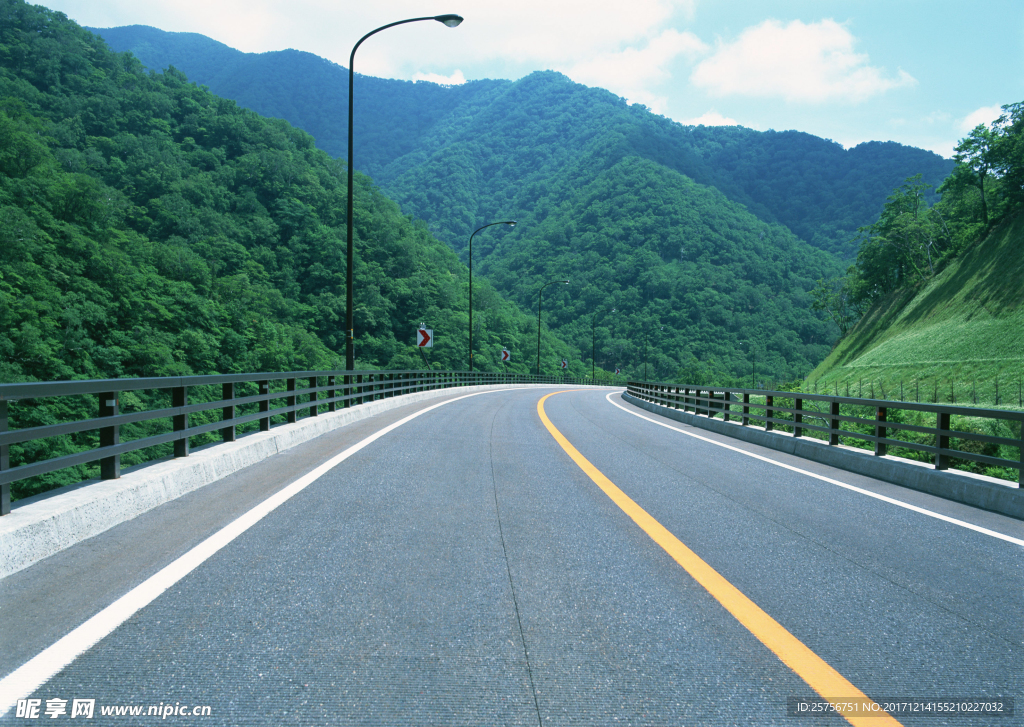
(822, 192)
(149, 227)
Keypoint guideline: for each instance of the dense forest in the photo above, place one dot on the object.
(700, 283)
(151, 228)
(820, 191)
(912, 240)
(543, 149)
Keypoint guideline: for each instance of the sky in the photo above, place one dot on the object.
(919, 72)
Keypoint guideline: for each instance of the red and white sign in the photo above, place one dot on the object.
(425, 337)
(565, 364)
(617, 371)
(505, 355)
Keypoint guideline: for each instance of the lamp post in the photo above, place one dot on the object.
(510, 223)
(540, 293)
(645, 354)
(350, 358)
(645, 350)
(593, 344)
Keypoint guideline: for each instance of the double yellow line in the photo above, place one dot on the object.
(810, 667)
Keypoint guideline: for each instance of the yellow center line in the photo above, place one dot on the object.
(810, 667)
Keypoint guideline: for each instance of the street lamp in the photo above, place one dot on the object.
(593, 344)
(539, 294)
(510, 223)
(753, 366)
(350, 358)
(645, 351)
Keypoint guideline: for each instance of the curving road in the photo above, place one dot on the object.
(463, 569)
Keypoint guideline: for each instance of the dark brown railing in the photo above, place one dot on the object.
(304, 393)
(829, 418)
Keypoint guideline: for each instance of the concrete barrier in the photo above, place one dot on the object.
(975, 490)
(45, 524)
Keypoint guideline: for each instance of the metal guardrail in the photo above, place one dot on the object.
(736, 403)
(321, 391)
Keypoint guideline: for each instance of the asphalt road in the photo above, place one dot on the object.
(462, 569)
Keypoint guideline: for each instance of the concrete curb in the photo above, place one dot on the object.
(963, 487)
(46, 524)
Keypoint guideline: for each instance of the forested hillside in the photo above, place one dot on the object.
(934, 303)
(822, 192)
(700, 282)
(307, 90)
(150, 228)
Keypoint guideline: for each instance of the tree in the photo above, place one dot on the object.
(1007, 156)
(835, 297)
(975, 158)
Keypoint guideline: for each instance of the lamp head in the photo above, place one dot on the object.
(511, 223)
(450, 20)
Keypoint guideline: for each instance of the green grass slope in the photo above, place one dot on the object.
(959, 338)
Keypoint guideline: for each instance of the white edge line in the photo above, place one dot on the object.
(31, 675)
(862, 491)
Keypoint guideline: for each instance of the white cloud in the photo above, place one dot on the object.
(812, 63)
(456, 79)
(711, 118)
(628, 70)
(517, 37)
(985, 115)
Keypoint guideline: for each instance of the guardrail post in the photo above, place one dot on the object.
(769, 412)
(881, 416)
(314, 408)
(833, 423)
(942, 441)
(745, 420)
(798, 417)
(179, 422)
(359, 388)
(726, 400)
(331, 405)
(1020, 460)
(291, 415)
(110, 467)
(227, 434)
(347, 390)
(5, 464)
(264, 387)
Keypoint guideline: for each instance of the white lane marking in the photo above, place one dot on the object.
(31, 675)
(883, 498)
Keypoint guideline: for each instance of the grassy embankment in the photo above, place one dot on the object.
(957, 339)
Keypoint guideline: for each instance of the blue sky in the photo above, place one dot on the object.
(916, 72)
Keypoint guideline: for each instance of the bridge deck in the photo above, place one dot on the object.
(462, 569)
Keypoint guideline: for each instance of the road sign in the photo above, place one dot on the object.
(617, 371)
(425, 337)
(505, 355)
(565, 364)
